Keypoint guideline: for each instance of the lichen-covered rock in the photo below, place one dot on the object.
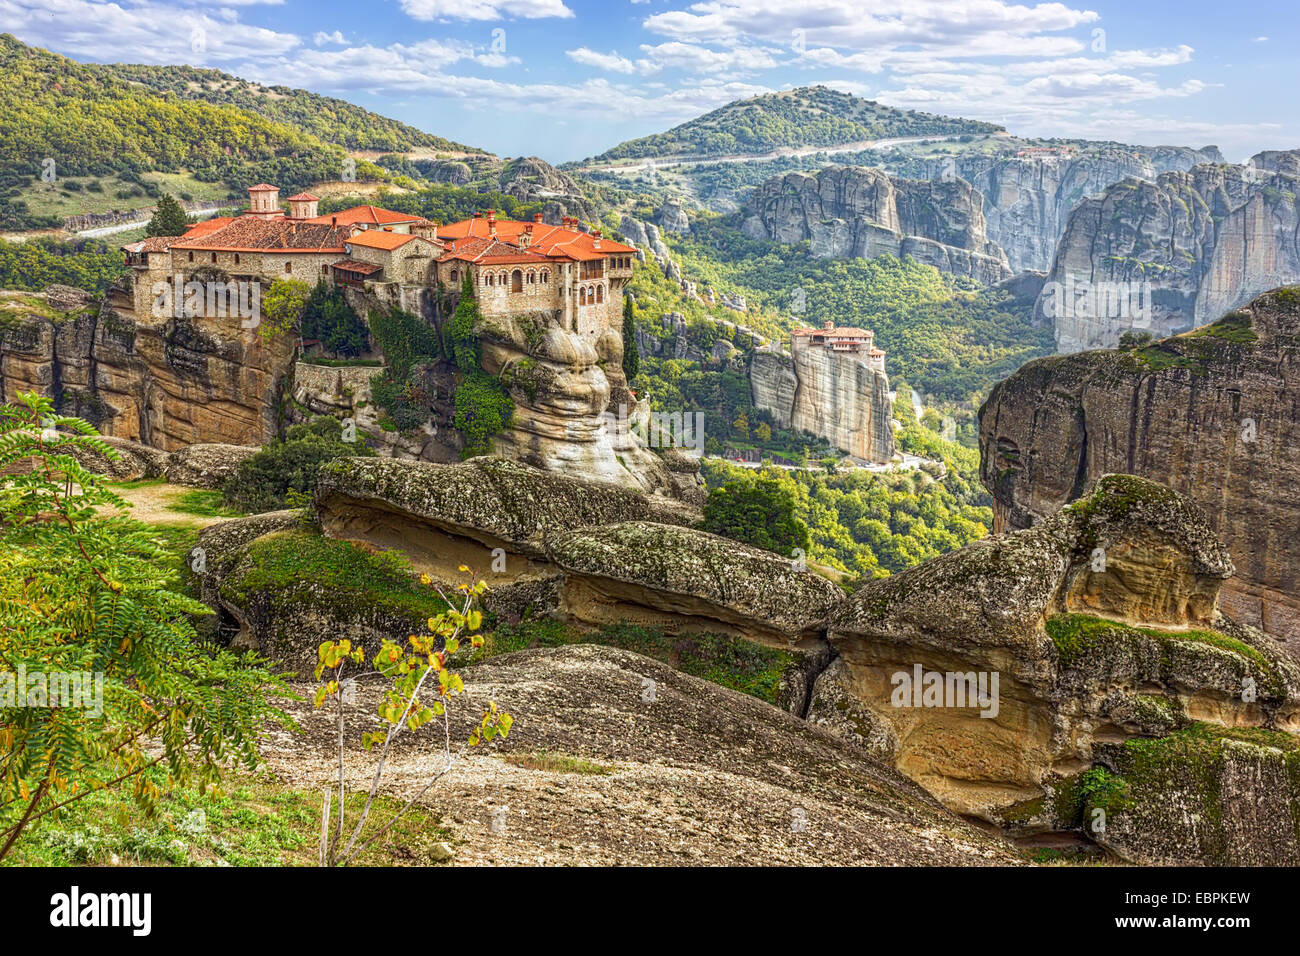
(207, 465)
(834, 707)
(1099, 623)
(683, 579)
(1205, 794)
(1210, 413)
(493, 501)
(131, 460)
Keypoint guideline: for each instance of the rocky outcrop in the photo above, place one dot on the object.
(1028, 199)
(1179, 251)
(671, 217)
(164, 383)
(1211, 413)
(860, 212)
(696, 774)
(836, 395)
(530, 179)
(207, 465)
(562, 384)
(1006, 667)
(681, 579)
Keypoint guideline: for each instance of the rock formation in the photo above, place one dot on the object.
(1006, 669)
(1027, 199)
(691, 775)
(568, 389)
(1187, 247)
(860, 212)
(165, 383)
(1211, 413)
(836, 395)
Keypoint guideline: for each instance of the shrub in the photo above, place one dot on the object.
(289, 466)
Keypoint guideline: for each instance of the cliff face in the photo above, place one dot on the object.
(1204, 241)
(1212, 413)
(568, 389)
(166, 383)
(832, 394)
(1027, 200)
(859, 212)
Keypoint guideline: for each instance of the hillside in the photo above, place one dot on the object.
(329, 119)
(805, 117)
(98, 129)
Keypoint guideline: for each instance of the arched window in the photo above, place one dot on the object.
(600, 293)
(492, 279)
(531, 278)
(545, 273)
(517, 281)
(236, 258)
(453, 275)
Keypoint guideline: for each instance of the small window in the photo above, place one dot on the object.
(191, 257)
(288, 267)
(236, 258)
(214, 257)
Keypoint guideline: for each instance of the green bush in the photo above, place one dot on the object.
(288, 466)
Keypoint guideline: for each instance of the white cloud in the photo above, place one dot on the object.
(484, 9)
(320, 39)
(602, 61)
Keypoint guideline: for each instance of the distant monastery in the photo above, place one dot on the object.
(514, 266)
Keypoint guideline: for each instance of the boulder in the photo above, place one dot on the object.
(684, 579)
(1099, 624)
(207, 465)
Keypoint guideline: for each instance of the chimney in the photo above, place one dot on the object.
(334, 222)
(526, 237)
(595, 238)
(492, 215)
(478, 215)
(537, 217)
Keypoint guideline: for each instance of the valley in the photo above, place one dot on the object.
(815, 482)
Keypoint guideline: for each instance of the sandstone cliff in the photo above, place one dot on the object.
(166, 383)
(1027, 199)
(835, 395)
(860, 212)
(1204, 241)
(1211, 413)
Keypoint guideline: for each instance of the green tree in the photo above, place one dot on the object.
(631, 355)
(169, 219)
(282, 307)
(87, 594)
(758, 511)
(464, 341)
(327, 317)
(288, 466)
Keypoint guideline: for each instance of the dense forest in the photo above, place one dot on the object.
(66, 119)
(89, 264)
(809, 116)
(329, 119)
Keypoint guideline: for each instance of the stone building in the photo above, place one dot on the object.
(519, 267)
(516, 267)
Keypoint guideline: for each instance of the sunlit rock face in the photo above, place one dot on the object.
(1202, 242)
(861, 212)
(562, 383)
(1097, 626)
(1211, 413)
(166, 383)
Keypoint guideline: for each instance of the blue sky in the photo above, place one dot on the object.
(565, 79)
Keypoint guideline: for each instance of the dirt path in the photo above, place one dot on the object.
(152, 503)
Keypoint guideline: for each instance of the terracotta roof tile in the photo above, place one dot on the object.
(251, 234)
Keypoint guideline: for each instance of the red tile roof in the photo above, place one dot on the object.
(366, 215)
(488, 251)
(263, 187)
(151, 244)
(554, 242)
(251, 234)
(379, 239)
(303, 197)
